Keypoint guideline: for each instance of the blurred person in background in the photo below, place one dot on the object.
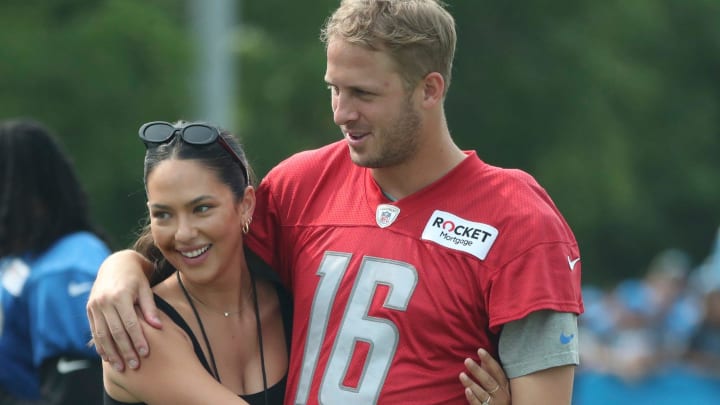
(703, 351)
(675, 303)
(643, 326)
(634, 342)
(707, 275)
(50, 252)
(649, 338)
(594, 327)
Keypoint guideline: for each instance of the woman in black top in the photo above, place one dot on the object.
(220, 312)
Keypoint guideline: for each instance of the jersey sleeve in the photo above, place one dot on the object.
(57, 294)
(264, 236)
(539, 279)
(539, 266)
(58, 321)
(282, 201)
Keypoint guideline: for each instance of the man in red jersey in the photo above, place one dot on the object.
(403, 252)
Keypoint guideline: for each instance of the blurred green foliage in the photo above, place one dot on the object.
(613, 106)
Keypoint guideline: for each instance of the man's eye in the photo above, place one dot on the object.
(363, 93)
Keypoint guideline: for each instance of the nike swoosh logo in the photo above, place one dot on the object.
(65, 366)
(565, 339)
(75, 289)
(571, 263)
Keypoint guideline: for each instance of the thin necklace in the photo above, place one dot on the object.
(225, 313)
(207, 342)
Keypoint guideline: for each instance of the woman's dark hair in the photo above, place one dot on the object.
(41, 198)
(215, 158)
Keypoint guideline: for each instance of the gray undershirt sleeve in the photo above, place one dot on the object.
(542, 340)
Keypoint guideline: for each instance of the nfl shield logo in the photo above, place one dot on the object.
(386, 214)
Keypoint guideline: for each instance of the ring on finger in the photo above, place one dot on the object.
(494, 390)
(487, 401)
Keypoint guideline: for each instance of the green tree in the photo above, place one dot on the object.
(613, 106)
(93, 71)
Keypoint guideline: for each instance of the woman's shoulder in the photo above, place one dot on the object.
(168, 345)
(171, 305)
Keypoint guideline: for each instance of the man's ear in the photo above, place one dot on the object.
(433, 89)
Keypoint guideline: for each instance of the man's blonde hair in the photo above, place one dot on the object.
(419, 35)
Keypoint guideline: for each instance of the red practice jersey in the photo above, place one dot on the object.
(390, 297)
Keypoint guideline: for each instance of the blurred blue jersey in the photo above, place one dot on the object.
(43, 315)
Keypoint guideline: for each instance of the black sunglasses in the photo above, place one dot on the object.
(159, 132)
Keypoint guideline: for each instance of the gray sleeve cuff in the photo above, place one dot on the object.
(542, 340)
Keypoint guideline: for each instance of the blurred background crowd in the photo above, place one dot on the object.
(654, 339)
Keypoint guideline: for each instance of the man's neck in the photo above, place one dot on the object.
(400, 181)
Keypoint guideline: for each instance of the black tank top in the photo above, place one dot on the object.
(275, 393)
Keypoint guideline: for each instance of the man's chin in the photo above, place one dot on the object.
(363, 160)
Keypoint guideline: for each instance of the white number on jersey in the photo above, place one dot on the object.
(356, 326)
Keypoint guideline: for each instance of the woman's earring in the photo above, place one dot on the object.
(246, 226)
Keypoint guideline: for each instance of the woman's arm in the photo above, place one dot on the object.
(171, 374)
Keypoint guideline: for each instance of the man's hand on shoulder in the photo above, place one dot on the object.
(121, 283)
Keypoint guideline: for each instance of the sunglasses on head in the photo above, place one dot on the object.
(160, 132)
